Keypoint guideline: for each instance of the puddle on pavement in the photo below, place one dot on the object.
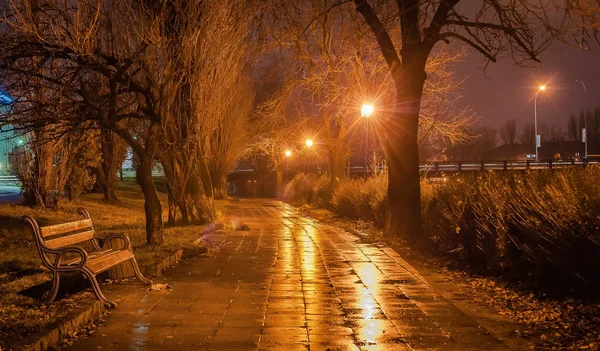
(403, 296)
(394, 281)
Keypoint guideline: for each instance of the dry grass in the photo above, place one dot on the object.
(21, 267)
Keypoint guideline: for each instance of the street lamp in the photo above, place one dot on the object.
(288, 153)
(309, 143)
(538, 139)
(584, 132)
(366, 110)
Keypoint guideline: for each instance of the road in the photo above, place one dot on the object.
(10, 194)
(288, 283)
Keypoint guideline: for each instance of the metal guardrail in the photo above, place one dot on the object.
(8, 179)
(463, 166)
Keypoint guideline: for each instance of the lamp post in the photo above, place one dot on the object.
(584, 132)
(538, 139)
(366, 111)
(309, 143)
(288, 153)
(7, 156)
(5, 150)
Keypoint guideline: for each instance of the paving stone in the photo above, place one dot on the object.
(288, 283)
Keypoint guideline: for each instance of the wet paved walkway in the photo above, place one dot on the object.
(288, 283)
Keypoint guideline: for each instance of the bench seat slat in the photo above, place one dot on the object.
(91, 256)
(100, 261)
(69, 240)
(65, 227)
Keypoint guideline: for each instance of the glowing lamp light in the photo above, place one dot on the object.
(542, 87)
(288, 153)
(309, 142)
(366, 110)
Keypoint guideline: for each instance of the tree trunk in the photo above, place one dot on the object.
(279, 179)
(152, 206)
(109, 189)
(172, 205)
(168, 170)
(402, 154)
(201, 206)
(338, 158)
(220, 186)
(183, 209)
(109, 165)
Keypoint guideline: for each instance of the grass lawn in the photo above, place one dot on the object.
(22, 269)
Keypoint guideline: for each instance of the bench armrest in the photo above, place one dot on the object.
(69, 250)
(124, 237)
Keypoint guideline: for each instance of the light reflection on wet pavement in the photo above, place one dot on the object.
(289, 283)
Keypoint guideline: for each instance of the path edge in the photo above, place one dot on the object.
(495, 324)
(51, 336)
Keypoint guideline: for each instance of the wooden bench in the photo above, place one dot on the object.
(60, 248)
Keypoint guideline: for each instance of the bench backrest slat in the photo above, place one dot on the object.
(68, 240)
(65, 228)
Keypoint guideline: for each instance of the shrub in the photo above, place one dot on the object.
(361, 199)
(307, 189)
(544, 223)
(322, 192)
(378, 199)
(346, 198)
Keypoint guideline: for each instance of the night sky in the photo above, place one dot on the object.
(506, 90)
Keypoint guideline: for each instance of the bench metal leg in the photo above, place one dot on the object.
(139, 274)
(96, 286)
(50, 295)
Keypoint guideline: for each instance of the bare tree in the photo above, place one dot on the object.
(508, 132)
(490, 27)
(133, 67)
(480, 141)
(207, 99)
(228, 137)
(594, 125)
(272, 141)
(575, 126)
(335, 71)
(527, 135)
(552, 133)
(49, 169)
(114, 151)
(85, 77)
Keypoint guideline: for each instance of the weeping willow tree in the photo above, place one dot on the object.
(147, 71)
(227, 135)
(208, 100)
